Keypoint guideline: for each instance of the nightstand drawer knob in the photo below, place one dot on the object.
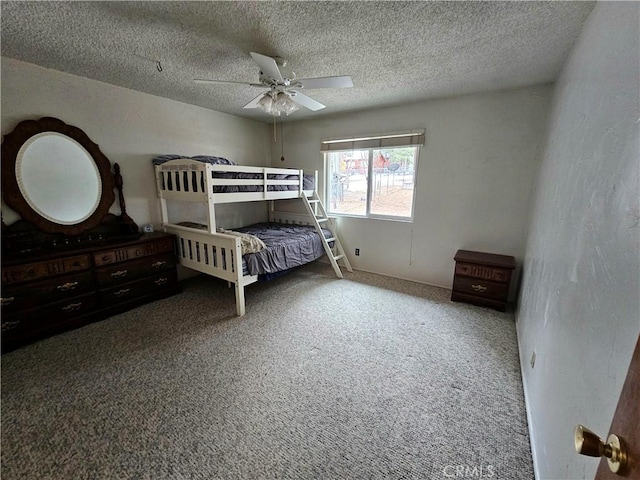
(119, 274)
(123, 292)
(158, 264)
(161, 281)
(479, 288)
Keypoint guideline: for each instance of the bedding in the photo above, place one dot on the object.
(249, 243)
(308, 181)
(286, 246)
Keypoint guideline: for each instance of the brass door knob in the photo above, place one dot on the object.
(590, 444)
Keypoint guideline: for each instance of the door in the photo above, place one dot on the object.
(626, 423)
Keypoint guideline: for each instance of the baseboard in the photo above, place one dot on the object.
(403, 278)
(525, 390)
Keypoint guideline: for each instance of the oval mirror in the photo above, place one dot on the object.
(55, 177)
(65, 190)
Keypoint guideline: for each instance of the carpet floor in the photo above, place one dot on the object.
(368, 377)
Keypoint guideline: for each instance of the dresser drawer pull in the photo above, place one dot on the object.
(7, 300)
(161, 281)
(479, 288)
(10, 325)
(67, 286)
(122, 293)
(72, 307)
(119, 274)
(158, 264)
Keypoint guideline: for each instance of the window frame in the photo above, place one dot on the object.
(368, 214)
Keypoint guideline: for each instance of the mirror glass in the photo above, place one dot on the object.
(58, 178)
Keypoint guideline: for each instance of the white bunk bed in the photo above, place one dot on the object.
(220, 254)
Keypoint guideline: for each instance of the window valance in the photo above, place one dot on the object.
(394, 140)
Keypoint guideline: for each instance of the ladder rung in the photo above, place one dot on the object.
(338, 257)
(314, 201)
(330, 239)
(320, 220)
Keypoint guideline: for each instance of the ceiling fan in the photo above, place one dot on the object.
(284, 95)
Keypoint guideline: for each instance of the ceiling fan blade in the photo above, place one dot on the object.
(327, 82)
(202, 80)
(268, 66)
(305, 101)
(254, 103)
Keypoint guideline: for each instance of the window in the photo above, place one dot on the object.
(373, 176)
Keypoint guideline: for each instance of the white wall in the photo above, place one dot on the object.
(475, 179)
(580, 294)
(131, 128)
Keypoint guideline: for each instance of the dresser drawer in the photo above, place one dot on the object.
(484, 272)
(14, 325)
(133, 290)
(481, 288)
(127, 272)
(109, 257)
(64, 310)
(19, 327)
(37, 270)
(35, 294)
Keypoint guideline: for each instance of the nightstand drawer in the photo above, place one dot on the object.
(494, 274)
(480, 288)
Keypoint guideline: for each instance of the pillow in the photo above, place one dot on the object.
(160, 159)
(249, 243)
(213, 160)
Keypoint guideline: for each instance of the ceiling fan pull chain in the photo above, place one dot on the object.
(281, 141)
(275, 140)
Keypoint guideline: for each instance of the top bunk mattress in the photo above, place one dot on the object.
(308, 181)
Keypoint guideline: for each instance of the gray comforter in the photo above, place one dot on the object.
(288, 246)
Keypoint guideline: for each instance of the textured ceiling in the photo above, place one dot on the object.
(396, 52)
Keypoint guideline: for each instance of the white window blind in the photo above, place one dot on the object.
(381, 141)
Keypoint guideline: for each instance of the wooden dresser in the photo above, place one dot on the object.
(50, 293)
(482, 279)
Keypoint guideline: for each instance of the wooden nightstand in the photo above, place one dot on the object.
(482, 279)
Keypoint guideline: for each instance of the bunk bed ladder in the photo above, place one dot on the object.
(318, 214)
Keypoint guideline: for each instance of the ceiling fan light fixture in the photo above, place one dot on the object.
(291, 107)
(277, 103)
(267, 105)
(284, 104)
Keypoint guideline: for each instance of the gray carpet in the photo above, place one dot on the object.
(362, 378)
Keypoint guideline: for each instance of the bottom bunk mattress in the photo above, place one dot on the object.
(287, 246)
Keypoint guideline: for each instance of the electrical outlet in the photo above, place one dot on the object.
(357, 252)
(533, 359)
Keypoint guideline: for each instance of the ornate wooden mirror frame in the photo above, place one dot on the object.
(95, 224)
(12, 194)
